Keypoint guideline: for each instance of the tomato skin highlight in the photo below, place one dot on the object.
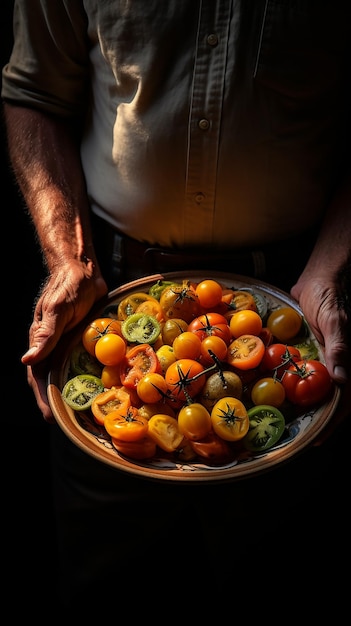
(307, 383)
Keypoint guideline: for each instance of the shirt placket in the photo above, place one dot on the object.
(205, 116)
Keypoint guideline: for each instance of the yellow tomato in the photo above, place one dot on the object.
(230, 419)
(164, 430)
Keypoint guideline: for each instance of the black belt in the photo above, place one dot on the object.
(124, 259)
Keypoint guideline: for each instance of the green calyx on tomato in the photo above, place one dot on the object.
(141, 328)
(266, 426)
(80, 391)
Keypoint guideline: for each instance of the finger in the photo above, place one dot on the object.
(37, 380)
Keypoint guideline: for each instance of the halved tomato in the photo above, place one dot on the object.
(139, 360)
(245, 352)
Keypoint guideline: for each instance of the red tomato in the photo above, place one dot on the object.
(139, 360)
(278, 357)
(307, 382)
(210, 324)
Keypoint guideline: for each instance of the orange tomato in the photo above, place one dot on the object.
(184, 379)
(126, 425)
(209, 293)
(245, 352)
(98, 328)
(245, 322)
(108, 401)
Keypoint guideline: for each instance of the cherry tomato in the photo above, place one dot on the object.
(284, 323)
(97, 329)
(268, 390)
(151, 307)
(180, 301)
(236, 300)
(213, 345)
(79, 391)
(126, 425)
(187, 346)
(141, 328)
(164, 430)
(245, 352)
(266, 426)
(277, 358)
(213, 449)
(108, 401)
(110, 349)
(209, 293)
(209, 324)
(194, 421)
(139, 361)
(144, 448)
(130, 303)
(166, 356)
(230, 419)
(110, 376)
(172, 328)
(179, 377)
(152, 387)
(307, 382)
(153, 408)
(246, 322)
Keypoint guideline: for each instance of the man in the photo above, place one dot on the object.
(152, 136)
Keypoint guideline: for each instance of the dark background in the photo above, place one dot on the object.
(28, 537)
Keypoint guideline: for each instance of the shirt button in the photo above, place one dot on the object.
(199, 197)
(212, 40)
(204, 124)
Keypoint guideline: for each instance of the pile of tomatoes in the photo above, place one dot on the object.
(195, 371)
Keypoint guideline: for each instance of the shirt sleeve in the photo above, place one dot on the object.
(49, 62)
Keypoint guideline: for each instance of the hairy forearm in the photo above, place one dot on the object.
(332, 252)
(46, 162)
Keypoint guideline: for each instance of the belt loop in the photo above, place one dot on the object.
(117, 258)
(259, 263)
